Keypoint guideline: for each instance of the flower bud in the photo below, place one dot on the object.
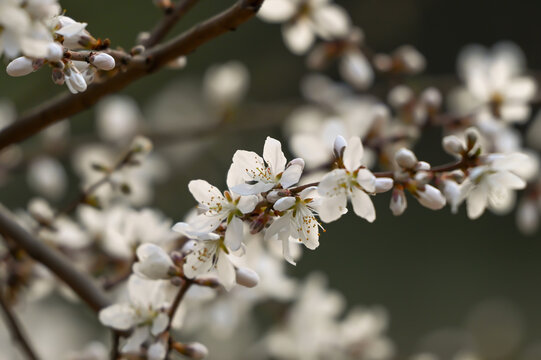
(339, 145)
(40, 210)
(422, 166)
(400, 95)
(58, 76)
(472, 138)
(103, 61)
(178, 63)
(405, 158)
(383, 185)
(74, 80)
(20, 66)
(432, 97)
(193, 350)
(398, 202)
(431, 198)
(55, 52)
(141, 144)
(528, 217)
(284, 203)
(246, 277)
(453, 194)
(452, 145)
(297, 162)
(275, 195)
(154, 263)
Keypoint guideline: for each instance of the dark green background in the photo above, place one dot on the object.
(428, 268)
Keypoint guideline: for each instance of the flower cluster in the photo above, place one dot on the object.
(73, 54)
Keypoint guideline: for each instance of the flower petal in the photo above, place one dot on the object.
(234, 234)
(362, 205)
(353, 154)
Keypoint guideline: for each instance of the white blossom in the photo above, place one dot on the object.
(263, 174)
(298, 223)
(495, 82)
(491, 184)
(209, 252)
(153, 262)
(353, 181)
(145, 312)
(303, 20)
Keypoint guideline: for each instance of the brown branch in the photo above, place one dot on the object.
(79, 282)
(16, 329)
(167, 23)
(178, 299)
(150, 61)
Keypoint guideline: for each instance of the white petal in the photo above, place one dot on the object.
(292, 174)
(249, 189)
(118, 316)
(332, 183)
(362, 205)
(159, 324)
(353, 154)
(298, 36)
(277, 10)
(156, 351)
(366, 180)
(355, 69)
(273, 155)
(477, 201)
(247, 204)
(332, 208)
(234, 234)
(520, 88)
(226, 272)
(284, 203)
(278, 226)
(331, 21)
(205, 193)
(136, 339)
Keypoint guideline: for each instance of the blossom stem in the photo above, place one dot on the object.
(178, 299)
(16, 330)
(167, 23)
(150, 61)
(79, 282)
(464, 163)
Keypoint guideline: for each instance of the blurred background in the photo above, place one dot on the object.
(432, 270)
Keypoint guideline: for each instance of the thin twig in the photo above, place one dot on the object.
(16, 330)
(79, 282)
(114, 345)
(167, 23)
(178, 299)
(150, 61)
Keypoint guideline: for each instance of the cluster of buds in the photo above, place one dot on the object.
(74, 57)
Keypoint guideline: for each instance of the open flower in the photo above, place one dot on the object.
(154, 263)
(209, 252)
(297, 223)
(263, 174)
(495, 82)
(352, 181)
(491, 184)
(145, 312)
(304, 19)
(216, 208)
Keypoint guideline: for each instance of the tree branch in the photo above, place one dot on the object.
(167, 23)
(79, 282)
(16, 330)
(150, 61)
